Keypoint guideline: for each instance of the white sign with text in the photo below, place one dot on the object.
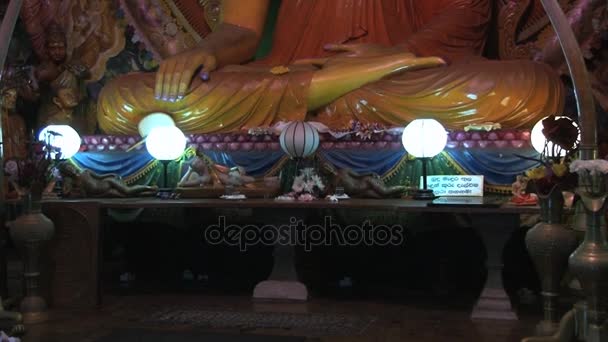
(446, 185)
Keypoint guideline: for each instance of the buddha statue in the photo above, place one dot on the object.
(93, 185)
(377, 62)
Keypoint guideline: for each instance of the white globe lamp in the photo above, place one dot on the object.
(424, 139)
(63, 139)
(152, 121)
(299, 139)
(165, 143)
(541, 145)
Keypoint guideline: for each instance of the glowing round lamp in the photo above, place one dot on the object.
(153, 120)
(299, 139)
(63, 138)
(424, 139)
(166, 143)
(539, 141)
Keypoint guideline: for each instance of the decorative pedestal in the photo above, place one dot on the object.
(31, 232)
(283, 282)
(494, 303)
(550, 244)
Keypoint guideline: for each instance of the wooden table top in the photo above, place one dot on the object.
(397, 205)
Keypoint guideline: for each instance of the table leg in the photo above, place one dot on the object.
(74, 255)
(495, 230)
(283, 283)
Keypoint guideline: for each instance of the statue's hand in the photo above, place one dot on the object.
(346, 52)
(175, 73)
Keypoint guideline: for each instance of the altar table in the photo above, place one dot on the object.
(75, 252)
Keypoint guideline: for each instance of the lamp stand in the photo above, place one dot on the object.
(424, 193)
(165, 186)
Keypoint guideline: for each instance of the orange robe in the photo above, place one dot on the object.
(452, 29)
(471, 90)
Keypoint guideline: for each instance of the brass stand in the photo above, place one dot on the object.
(550, 244)
(30, 232)
(589, 263)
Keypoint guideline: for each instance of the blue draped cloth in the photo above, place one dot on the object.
(498, 166)
(124, 164)
(361, 161)
(256, 163)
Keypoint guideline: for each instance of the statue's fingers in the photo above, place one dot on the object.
(184, 82)
(178, 74)
(160, 81)
(209, 64)
(166, 80)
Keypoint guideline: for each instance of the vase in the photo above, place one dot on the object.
(550, 244)
(589, 263)
(30, 232)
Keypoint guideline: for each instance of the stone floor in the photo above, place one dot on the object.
(396, 320)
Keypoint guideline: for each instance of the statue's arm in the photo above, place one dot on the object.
(459, 29)
(234, 41)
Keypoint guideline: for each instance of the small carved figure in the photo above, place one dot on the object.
(234, 176)
(13, 127)
(94, 185)
(519, 191)
(197, 174)
(56, 58)
(518, 188)
(365, 185)
(65, 95)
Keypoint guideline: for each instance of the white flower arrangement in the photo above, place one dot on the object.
(592, 167)
(307, 182)
(305, 186)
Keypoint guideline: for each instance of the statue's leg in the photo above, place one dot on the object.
(334, 81)
(228, 101)
(515, 94)
(383, 190)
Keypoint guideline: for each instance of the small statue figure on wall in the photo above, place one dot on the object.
(64, 98)
(57, 59)
(93, 185)
(62, 80)
(13, 126)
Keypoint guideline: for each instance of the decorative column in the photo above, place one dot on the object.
(550, 244)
